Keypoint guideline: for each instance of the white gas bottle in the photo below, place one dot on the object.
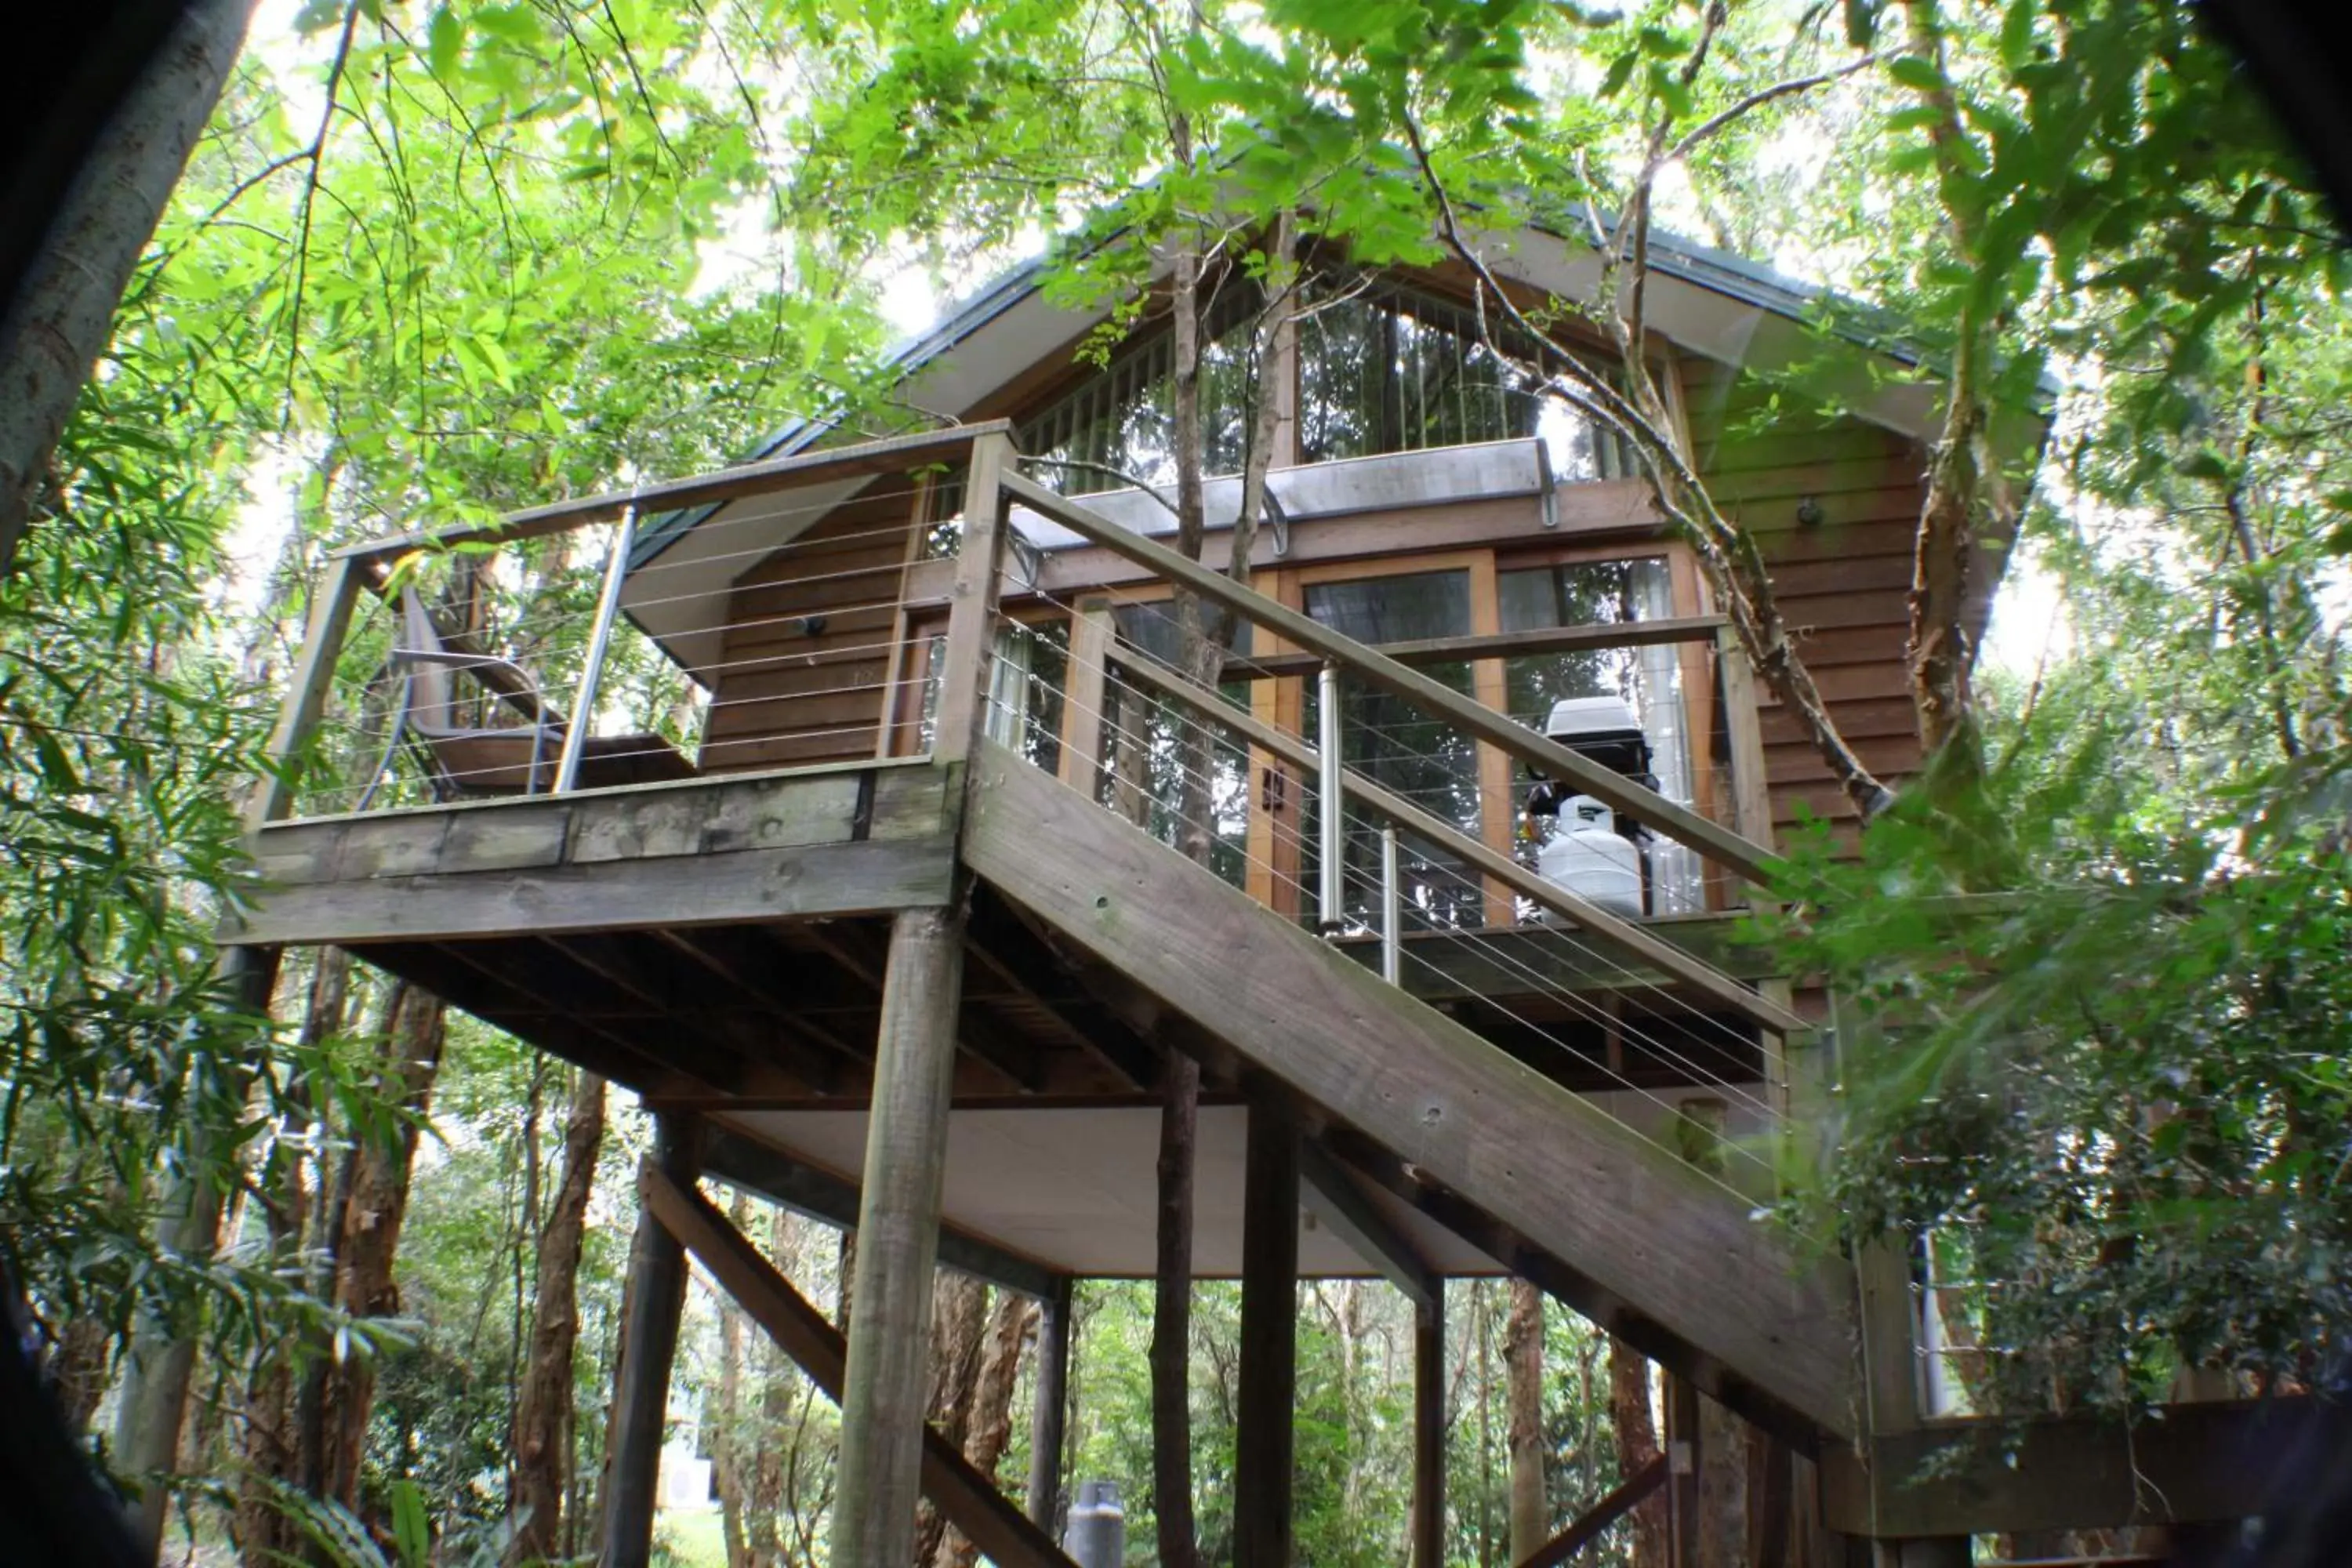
(1587, 854)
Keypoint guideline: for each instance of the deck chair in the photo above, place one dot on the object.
(521, 759)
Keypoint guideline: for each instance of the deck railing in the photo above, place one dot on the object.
(557, 694)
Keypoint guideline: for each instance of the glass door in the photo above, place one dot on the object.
(1648, 679)
(1393, 742)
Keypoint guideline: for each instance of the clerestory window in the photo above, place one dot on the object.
(1379, 370)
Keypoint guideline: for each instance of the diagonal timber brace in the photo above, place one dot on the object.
(969, 1499)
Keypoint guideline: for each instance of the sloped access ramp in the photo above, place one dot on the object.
(1657, 1249)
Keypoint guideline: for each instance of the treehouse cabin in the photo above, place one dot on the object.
(874, 824)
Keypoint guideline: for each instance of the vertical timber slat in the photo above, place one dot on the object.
(885, 1388)
(649, 1325)
(1082, 701)
(1751, 791)
(1263, 1531)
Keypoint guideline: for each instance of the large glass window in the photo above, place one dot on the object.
(1123, 421)
(1648, 679)
(1391, 742)
(1389, 370)
(1395, 371)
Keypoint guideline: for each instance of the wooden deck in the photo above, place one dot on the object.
(721, 946)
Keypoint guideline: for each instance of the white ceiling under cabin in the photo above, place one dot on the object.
(1075, 1189)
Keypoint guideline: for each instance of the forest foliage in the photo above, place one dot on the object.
(436, 261)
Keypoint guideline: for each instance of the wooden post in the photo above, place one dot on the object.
(970, 1499)
(649, 1320)
(1084, 691)
(882, 1399)
(971, 608)
(1429, 1430)
(1683, 1460)
(1751, 793)
(1269, 1341)
(306, 693)
(1052, 1407)
(1889, 1321)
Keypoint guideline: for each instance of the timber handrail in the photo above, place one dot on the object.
(697, 490)
(1622, 936)
(1709, 840)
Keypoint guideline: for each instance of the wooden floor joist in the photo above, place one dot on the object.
(970, 1500)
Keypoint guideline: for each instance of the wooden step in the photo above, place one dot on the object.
(1723, 1298)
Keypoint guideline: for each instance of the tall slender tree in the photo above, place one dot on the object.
(543, 1409)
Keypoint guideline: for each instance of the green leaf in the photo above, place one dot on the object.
(411, 1532)
(444, 41)
(1917, 73)
(1619, 71)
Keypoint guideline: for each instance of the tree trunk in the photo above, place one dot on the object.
(727, 1470)
(1523, 1344)
(76, 1372)
(377, 1185)
(1637, 1444)
(988, 1430)
(270, 1449)
(58, 324)
(543, 1409)
(959, 1325)
(1171, 1316)
(1963, 482)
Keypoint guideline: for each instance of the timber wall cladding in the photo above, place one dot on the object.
(1843, 581)
(807, 646)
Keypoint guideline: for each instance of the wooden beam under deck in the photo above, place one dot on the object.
(815, 843)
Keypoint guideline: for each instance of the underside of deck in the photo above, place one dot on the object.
(722, 946)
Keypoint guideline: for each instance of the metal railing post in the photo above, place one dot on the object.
(1392, 910)
(1330, 805)
(583, 703)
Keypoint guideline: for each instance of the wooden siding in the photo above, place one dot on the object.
(1843, 581)
(786, 696)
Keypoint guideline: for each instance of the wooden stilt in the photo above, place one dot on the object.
(1052, 1407)
(655, 1297)
(1269, 1341)
(1429, 1430)
(882, 1405)
(1683, 1460)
